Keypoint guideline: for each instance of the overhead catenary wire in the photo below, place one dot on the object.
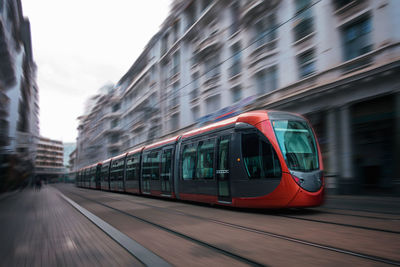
(172, 94)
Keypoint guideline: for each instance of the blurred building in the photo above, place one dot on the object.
(49, 159)
(19, 109)
(68, 149)
(334, 61)
(98, 131)
(72, 161)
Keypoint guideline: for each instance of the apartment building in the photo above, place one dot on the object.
(19, 109)
(49, 162)
(334, 61)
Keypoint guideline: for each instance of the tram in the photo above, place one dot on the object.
(259, 159)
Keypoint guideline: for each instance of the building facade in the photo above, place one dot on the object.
(49, 164)
(19, 109)
(334, 61)
(72, 161)
(68, 149)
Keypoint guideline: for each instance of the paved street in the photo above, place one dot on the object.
(40, 229)
(43, 228)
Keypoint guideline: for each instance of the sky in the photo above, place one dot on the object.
(81, 45)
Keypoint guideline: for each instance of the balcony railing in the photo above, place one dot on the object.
(252, 8)
(209, 44)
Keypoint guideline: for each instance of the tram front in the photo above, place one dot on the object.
(300, 150)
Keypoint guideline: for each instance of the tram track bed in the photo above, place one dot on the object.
(264, 238)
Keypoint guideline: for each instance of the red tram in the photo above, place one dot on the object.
(259, 159)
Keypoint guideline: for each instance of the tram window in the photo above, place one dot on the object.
(104, 173)
(260, 158)
(151, 166)
(223, 154)
(93, 174)
(205, 160)
(114, 171)
(132, 168)
(166, 165)
(155, 166)
(146, 167)
(118, 170)
(188, 162)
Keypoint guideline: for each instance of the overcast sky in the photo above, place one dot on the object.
(80, 45)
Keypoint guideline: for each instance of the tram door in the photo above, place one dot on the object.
(222, 171)
(166, 171)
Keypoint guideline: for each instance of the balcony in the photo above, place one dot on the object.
(345, 7)
(174, 102)
(138, 126)
(116, 129)
(253, 8)
(208, 45)
(194, 96)
(114, 145)
(211, 83)
(112, 115)
(264, 52)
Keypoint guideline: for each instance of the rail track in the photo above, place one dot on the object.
(248, 229)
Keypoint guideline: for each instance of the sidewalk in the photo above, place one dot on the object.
(377, 204)
(39, 228)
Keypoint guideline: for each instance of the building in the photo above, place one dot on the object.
(49, 159)
(72, 161)
(334, 61)
(98, 128)
(19, 109)
(68, 149)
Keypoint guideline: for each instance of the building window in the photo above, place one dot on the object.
(266, 80)
(306, 62)
(114, 123)
(195, 113)
(116, 107)
(236, 94)
(205, 4)
(114, 138)
(175, 30)
(212, 104)
(211, 67)
(152, 72)
(265, 30)
(235, 17)
(175, 63)
(190, 14)
(357, 38)
(195, 90)
(174, 96)
(174, 122)
(236, 68)
(304, 24)
(164, 44)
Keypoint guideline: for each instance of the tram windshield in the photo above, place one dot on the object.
(297, 144)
